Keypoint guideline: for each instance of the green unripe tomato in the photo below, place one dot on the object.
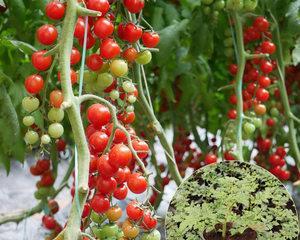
(104, 68)
(114, 94)
(219, 5)
(44, 192)
(154, 235)
(89, 77)
(89, 88)
(207, 2)
(250, 5)
(129, 108)
(97, 218)
(56, 130)
(131, 99)
(31, 137)
(228, 42)
(104, 80)
(120, 234)
(128, 87)
(228, 52)
(30, 104)
(119, 68)
(274, 112)
(257, 122)
(45, 139)
(234, 5)
(215, 14)
(56, 115)
(249, 128)
(37, 195)
(144, 57)
(206, 10)
(110, 230)
(28, 121)
(107, 231)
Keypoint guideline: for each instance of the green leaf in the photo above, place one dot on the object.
(171, 13)
(23, 47)
(11, 142)
(169, 39)
(157, 18)
(201, 37)
(293, 8)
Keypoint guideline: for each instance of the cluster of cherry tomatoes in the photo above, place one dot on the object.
(258, 80)
(49, 221)
(113, 47)
(257, 76)
(112, 175)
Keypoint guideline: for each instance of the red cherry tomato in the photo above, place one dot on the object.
(121, 192)
(120, 156)
(132, 33)
(268, 47)
(141, 147)
(98, 115)
(130, 54)
(120, 136)
(134, 211)
(262, 95)
(106, 185)
(210, 158)
(261, 24)
(137, 183)
(149, 222)
(79, 28)
(104, 168)
(47, 34)
(232, 114)
(100, 204)
(49, 222)
(56, 98)
(40, 62)
(134, 6)
(150, 39)
(103, 28)
(55, 10)
(75, 56)
(98, 141)
(94, 62)
(109, 49)
(34, 84)
(99, 5)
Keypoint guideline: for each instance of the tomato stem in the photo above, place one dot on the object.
(72, 230)
(156, 126)
(284, 96)
(241, 59)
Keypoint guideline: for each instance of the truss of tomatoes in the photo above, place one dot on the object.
(257, 80)
(113, 172)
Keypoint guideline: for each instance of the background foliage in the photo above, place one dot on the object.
(184, 77)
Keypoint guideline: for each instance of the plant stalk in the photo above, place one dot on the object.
(284, 96)
(72, 230)
(158, 129)
(241, 59)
